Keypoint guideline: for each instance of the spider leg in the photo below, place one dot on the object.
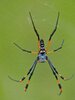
(35, 30)
(49, 41)
(13, 79)
(54, 72)
(31, 73)
(33, 52)
(62, 77)
(60, 47)
(54, 28)
(23, 78)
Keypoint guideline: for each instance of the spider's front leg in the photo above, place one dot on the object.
(49, 41)
(35, 30)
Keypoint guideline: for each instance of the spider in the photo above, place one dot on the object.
(42, 56)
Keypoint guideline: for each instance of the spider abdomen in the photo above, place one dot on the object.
(42, 57)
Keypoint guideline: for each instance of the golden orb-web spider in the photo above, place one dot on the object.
(42, 57)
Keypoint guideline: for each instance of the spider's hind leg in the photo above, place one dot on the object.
(31, 73)
(23, 78)
(54, 73)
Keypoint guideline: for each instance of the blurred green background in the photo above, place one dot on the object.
(15, 26)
